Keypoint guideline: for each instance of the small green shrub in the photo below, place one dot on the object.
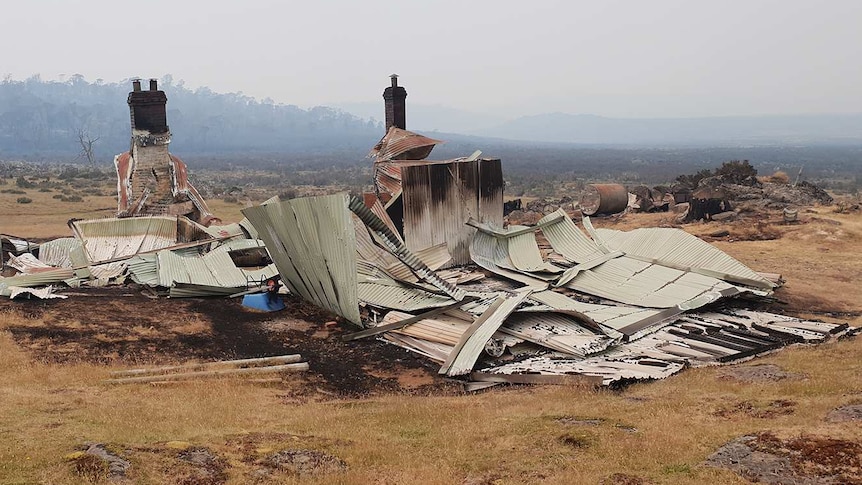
(24, 200)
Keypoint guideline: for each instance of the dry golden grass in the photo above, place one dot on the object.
(46, 217)
(515, 435)
(505, 435)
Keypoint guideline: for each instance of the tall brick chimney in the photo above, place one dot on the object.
(147, 108)
(395, 98)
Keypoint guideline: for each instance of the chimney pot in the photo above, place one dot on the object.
(136, 85)
(154, 84)
(394, 78)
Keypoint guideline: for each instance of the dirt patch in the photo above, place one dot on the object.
(758, 373)
(579, 421)
(119, 326)
(625, 479)
(805, 459)
(771, 409)
(304, 462)
(851, 412)
(577, 441)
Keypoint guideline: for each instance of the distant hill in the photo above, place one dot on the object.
(735, 130)
(40, 120)
(427, 117)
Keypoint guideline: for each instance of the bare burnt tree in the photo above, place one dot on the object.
(87, 143)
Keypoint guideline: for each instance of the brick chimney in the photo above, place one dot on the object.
(147, 108)
(395, 98)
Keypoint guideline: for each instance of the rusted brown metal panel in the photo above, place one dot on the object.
(403, 145)
(604, 199)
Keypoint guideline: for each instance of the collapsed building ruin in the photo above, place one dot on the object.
(425, 263)
(150, 180)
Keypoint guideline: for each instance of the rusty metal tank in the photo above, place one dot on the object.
(604, 199)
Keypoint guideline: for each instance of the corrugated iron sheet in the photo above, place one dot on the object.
(440, 197)
(679, 249)
(390, 295)
(464, 355)
(556, 331)
(387, 177)
(403, 144)
(391, 242)
(56, 252)
(311, 241)
(109, 238)
(611, 275)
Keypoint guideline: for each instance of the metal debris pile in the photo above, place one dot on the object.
(602, 305)
(425, 263)
(171, 255)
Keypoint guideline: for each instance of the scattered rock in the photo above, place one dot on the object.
(96, 463)
(801, 460)
(759, 373)
(852, 412)
(722, 233)
(209, 469)
(724, 216)
(305, 462)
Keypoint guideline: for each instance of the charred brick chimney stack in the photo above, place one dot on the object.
(395, 98)
(148, 108)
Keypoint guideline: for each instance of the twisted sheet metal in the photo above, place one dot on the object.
(464, 355)
(398, 142)
(312, 241)
(399, 250)
(390, 295)
(56, 252)
(556, 331)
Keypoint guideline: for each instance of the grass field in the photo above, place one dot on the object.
(656, 432)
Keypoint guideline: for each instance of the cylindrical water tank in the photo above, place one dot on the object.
(604, 199)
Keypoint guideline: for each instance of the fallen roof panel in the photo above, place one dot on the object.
(312, 241)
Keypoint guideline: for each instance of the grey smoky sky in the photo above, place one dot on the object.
(647, 58)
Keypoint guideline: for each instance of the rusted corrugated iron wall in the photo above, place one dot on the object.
(440, 197)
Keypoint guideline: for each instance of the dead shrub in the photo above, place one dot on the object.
(779, 177)
(91, 468)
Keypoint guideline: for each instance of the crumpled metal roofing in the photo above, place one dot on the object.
(679, 249)
(311, 241)
(214, 269)
(56, 252)
(404, 145)
(110, 238)
(612, 275)
(694, 339)
(556, 331)
(387, 177)
(473, 341)
(388, 294)
(45, 293)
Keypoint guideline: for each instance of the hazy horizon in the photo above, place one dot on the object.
(665, 58)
